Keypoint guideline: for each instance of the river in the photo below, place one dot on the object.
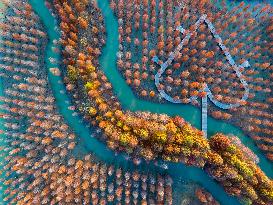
(179, 172)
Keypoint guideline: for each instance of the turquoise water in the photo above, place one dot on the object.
(130, 102)
(2, 144)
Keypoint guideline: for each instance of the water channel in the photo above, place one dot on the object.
(130, 102)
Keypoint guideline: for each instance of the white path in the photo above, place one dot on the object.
(168, 62)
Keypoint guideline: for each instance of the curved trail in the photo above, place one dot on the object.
(108, 61)
(203, 19)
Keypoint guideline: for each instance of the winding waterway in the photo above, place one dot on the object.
(130, 102)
